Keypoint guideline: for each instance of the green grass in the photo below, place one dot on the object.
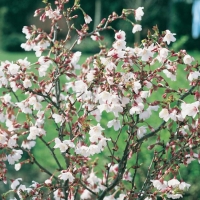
(13, 56)
(44, 156)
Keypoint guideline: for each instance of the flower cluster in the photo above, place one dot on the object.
(94, 119)
(171, 189)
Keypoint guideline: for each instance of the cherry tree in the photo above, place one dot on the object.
(108, 112)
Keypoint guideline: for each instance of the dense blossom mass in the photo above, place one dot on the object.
(98, 118)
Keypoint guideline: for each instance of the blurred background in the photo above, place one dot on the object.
(175, 15)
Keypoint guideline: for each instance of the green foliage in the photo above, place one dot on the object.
(180, 42)
(17, 13)
(181, 24)
(12, 42)
(14, 17)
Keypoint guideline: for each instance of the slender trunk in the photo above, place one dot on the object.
(137, 38)
(3, 11)
(97, 15)
(171, 15)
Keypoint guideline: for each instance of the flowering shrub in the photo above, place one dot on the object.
(107, 112)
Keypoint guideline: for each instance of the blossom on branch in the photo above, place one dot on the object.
(136, 28)
(65, 175)
(139, 13)
(169, 37)
(114, 103)
(87, 19)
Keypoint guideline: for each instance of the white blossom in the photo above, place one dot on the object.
(116, 109)
(58, 194)
(95, 133)
(164, 114)
(169, 37)
(58, 118)
(121, 197)
(94, 149)
(148, 198)
(75, 58)
(144, 94)
(173, 183)
(24, 63)
(137, 108)
(120, 35)
(7, 98)
(34, 132)
(80, 87)
(187, 59)
(184, 186)
(119, 44)
(87, 19)
(90, 76)
(3, 138)
(136, 86)
(136, 28)
(27, 83)
(66, 176)
(14, 156)
(146, 53)
(27, 144)
(28, 46)
(115, 123)
(48, 181)
(83, 150)
(63, 146)
(103, 107)
(93, 179)
(141, 131)
(15, 183)
(193, 75)
(190, 109)
(139, 13)
(12, 142)
(147, 84)
(10, 125)
(110, 197)
(13, 69)
(18, 166)
(14, 86)
(85, 194)
(26, 31)
(163, 52)
(158, 185)
(53, 14)
(104, 97)
(24, 106)
(96, 130)
(174, 196)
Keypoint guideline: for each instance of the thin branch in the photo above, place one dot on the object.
(147, 179)
(15, 95)
(135, 172)
(41, 167)
(52, 151)
(55, 32)
(121, 170)
(187, 93)
(163, 123)
(84, 186)
(160, 127)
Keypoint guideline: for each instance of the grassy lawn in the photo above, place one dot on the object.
(45, 155)
(12, 56)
